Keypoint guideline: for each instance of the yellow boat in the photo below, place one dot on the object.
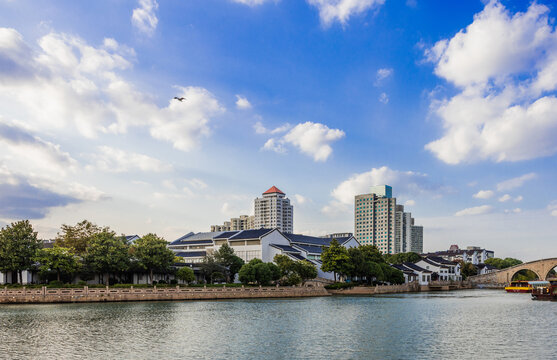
(519, 287)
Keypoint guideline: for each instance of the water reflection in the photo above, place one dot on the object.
(464, 324)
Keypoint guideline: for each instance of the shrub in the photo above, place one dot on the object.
(55, 284)
(339, 286)
(162, 282)
(81, 283)
(173, 282)
(154, 282)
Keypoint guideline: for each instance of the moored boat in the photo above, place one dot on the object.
(547, 291)
(519, 287)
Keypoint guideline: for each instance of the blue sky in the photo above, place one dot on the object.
(451, 103)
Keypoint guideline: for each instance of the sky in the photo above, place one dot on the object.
(451, 103)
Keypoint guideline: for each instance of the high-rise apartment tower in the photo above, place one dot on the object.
(273, 210)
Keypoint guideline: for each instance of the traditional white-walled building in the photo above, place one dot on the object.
(423, 276)
(444, 270)
(472, 254)
(262, 244)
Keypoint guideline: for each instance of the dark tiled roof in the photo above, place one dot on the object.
(250, 234)
(226, 234)
(415, 267)
(296, 256)
(311, 249)
(285, 248)
(188, 254)
(309, 240)
(440, 260)
(192, 238)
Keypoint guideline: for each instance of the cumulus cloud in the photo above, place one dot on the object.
(477, 210)
(242, 103)
(382, 74)
(409, 203)
(483, 194)
(342, 10)
(405, 182)
(518, 198)
(77, 87)
(505, 68)
(111, 159)
(313, 139)
(251, 2)
(513, 211)
(516, 182)
(384, 98)
(505, 198)
(144, 17)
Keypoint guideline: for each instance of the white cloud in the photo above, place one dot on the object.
(384, 98)
(261, 129)
(382, 74)
(313, 139)
(515, 211)
(518, 198)
(552, 207)
(300, 199)
(477, 210)
(251, 2)
(197, 183)
(144, 18)
(515, 182)
(483, 194)
(274, 145)
(405, 182)
(242, 103)
(409, 203)
(503, 65)
(76, 87)
(505, 198)
(117, 160)
(342, 10)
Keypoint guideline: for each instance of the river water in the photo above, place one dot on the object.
(479, 324)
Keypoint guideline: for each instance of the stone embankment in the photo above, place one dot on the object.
(48, 295)
(404, 288)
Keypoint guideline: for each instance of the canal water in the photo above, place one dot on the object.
(480, 324)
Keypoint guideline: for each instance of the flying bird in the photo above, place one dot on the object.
(180, 98)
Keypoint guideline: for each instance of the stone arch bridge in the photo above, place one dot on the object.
(500, 277)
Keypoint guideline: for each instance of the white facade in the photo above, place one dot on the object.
(446, 270)
(273, 211)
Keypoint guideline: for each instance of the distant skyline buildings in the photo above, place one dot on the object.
(379, 221)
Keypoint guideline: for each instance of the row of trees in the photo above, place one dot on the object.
(365, 263)
(84, 250)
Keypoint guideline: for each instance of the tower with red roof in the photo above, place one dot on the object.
(273, 210)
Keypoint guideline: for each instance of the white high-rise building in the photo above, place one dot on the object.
(379, 221)
(273, 210)
(374, 220)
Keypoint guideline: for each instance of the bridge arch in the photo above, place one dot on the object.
(552, 266)
(512, 274)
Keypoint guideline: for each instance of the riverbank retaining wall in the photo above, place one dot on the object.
(47, 295)
(403, 288)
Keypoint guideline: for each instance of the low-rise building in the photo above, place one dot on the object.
(423, 276)
(485, 269)
(262, 244)
(443, 270)
(472, 254)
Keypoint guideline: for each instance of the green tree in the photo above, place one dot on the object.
(185, 274)
(392, 275)
(305, 270)
(467, 269)
(503, 263)
(18, 247)
(79, 236)
(58, 259)
(210, 268)
(107, 254)
(226, 257)
(256, 271)
(335, 258)
(403, 257)
(152, 253)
